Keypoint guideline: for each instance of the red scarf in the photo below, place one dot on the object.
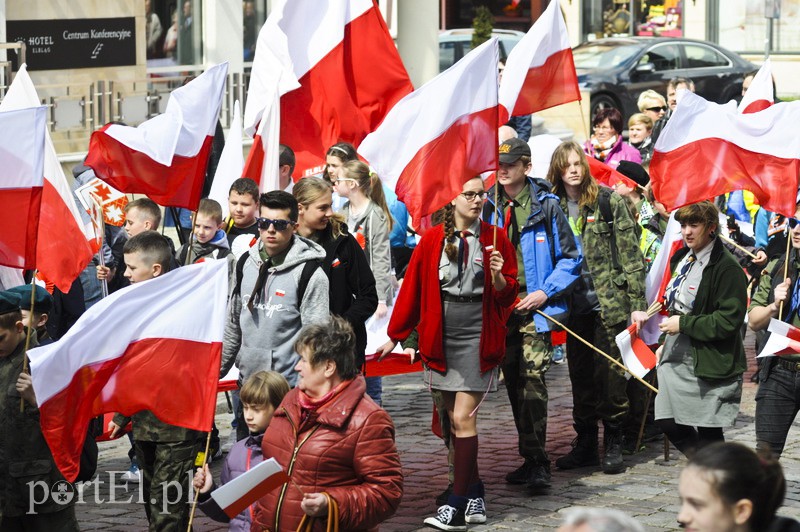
(309, 405)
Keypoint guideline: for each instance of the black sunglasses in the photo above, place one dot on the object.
(656, 109)
(793, 222)
(280, 225)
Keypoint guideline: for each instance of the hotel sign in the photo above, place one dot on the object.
(76, 43)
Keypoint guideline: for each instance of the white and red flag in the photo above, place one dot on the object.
(540, 72)
(441, 135)
(608, 176)
(659, 277)
(707, 149)
(346, 64)
(231, 162)
(784, 339)
(160, 335)
(761, 93)
(637, 357)
(235, 496)
(111, 200)
(165, 157)
(61, 256)
(21, 183)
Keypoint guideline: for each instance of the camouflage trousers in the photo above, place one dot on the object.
(598, 386)
(166, 469)
(528, 357)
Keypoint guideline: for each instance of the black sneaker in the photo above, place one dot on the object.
(629, 445)
(539, 478)
(519, 475)
(442, 498)
(448, 518)
(476, 511)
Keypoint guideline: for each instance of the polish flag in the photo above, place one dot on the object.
(760, 94)
(637, 357)
(263, 160)
(441, 135)
(62, 244)
(784, 339)
(166, 156)
(231, 162)
(708, 149)
(347, 67)
(125, 351)
(608, 176)
(238, 494)
(658, 278)
(540, 72)
(21, 183)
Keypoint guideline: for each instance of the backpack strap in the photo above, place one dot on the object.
(239, 274)
(308, 271)
(604, 201)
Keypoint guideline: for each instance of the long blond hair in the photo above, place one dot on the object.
(370, 184)
(589, 189)
(310, 189)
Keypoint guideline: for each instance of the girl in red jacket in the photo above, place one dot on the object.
(467, 291)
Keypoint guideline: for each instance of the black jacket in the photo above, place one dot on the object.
(352, 286)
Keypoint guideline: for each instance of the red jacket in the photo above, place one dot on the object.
(346, 449)
(419, 303)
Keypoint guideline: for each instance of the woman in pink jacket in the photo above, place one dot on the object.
(606, 144)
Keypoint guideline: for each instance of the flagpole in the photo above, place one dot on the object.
(203, 465)
(191, 240)
(785, 266)
(28, 336)
(494, 234)
(610, 358)
(583, 120)
(737, 246)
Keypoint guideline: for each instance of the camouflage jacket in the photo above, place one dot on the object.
(26, 464)
(619, 291)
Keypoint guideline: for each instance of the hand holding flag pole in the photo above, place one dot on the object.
(203, 465)
(28, 337)
(610, 358)
(785, 266)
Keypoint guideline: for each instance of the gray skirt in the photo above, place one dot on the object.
(462, 338)
(691, 400)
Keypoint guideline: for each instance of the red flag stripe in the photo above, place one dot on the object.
(20, 210)
(560, 86)
(265, 486)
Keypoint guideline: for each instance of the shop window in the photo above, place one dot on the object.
(179, 40)
(743, 26)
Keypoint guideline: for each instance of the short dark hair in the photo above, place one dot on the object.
(153, 248)
(9, 319)
(703, 212)
(286, 157)
(264, 388)
(149, 207)
(244, 186)
(612, 114)
(279, 199)
(211, 208)
(333, 340)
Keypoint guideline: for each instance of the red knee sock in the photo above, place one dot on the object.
(465, 464)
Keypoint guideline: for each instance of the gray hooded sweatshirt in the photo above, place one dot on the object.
(264, 338)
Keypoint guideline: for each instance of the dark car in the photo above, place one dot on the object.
(616, 70)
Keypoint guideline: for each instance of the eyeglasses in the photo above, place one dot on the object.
(470, 196)
(603, 127)
(657, 109)
(280, 225)
(793, 222)
(343, 179)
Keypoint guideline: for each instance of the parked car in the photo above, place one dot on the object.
(616, 70)
(456, 43)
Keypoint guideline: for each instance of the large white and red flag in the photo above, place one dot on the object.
(441, 135)
(540, 72)
(165, 157)
(235, 496)
(349, 73)
(60, 255)
(124, 353)
(707, 149)
(784, 339)
(21, 182)
(637, 357)
(659, 277)
(761, 93)
(231, 162)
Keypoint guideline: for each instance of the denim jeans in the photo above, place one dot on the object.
(375, 389)
(777, 404)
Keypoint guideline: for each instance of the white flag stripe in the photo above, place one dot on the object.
(760, 87)
(629, 358)
(190, 117)
(233, 490)
(269, 136)
(231, 162)
(429, 111)
(22, 153)
(183, 304)
(697, 119)
(547, 36)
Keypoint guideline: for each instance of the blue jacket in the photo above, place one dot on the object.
(552, 268)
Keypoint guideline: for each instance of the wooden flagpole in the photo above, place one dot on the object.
(203, 465)
(28, 334)
(785, 268)
(737, 246)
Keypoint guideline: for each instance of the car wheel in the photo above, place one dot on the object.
(602, 101)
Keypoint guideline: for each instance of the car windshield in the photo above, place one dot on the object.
(603, 55)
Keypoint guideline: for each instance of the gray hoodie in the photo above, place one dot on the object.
(264, 339)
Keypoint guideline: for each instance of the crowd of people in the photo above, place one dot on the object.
(477, 299)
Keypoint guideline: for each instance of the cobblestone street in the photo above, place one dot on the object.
(647, 490)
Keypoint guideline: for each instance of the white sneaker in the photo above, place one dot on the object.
(133, 474)
(476, 511)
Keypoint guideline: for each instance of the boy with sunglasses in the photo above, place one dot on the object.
(278, 288)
